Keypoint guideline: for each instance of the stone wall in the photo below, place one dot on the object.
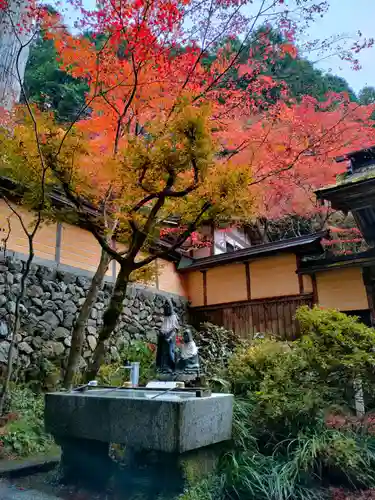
(52, 301)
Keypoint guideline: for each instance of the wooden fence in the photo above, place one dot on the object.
(271, 315)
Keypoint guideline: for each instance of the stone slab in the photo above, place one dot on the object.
(17, 468)
(173, 423)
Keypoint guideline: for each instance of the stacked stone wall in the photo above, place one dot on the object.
(51, 304)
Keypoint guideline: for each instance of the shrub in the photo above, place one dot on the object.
(339, 349)
(115, 374)
(25, 435)
(284, 396)
(288, 441)
(216, 345)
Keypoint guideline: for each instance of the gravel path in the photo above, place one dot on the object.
(9, 491)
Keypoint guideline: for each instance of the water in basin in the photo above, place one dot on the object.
(139, 394)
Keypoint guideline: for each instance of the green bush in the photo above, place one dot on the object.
(339, 349)
(285, 393)
(116, 375)
(24, 434)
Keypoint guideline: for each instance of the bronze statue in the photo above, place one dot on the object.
(165, 354)
(187, 367)
(182, 365)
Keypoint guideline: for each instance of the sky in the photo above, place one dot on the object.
(348, 16)
(345, 17)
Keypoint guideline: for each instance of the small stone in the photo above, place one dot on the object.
(61, 333)
(50, 305)
(91, 322)
(69, 307)
(60, 315)
(37, 302)
(3, 330)
(99, 306)
(52, 349)
(50, 318)
(91, 330)
(9, 278)
(11, 307)
(69, 320)
(82, 281)
(82, 365)
(87, 354)
(71, 289)
(68, 342)
(3, 300)
(4, 349)
(35, 291)
(68, 278)
(18, 338)
(143, 314)
(25, 362)
(18, 277)
(94, 313)
(25, 347)
(80, 291)
(91, 340)
(37, 342)
(16, 289)
(15, 265)
(81, 301)
(127, 311)
(57, 295)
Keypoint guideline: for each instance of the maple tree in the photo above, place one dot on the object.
(165, 131)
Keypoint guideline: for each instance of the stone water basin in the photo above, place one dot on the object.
(173, 422)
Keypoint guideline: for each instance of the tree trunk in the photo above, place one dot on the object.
(16, 327)
(78, 335)
(110, 319)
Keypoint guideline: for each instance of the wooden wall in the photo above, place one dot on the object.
(273, 315)
(274, 276)
(265, 298)
(194, 288)
(342, 289)
(70, 245)
(45, 239)
(268, 277)
(226, 284)
(168, 279)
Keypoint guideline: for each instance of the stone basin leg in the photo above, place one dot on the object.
(86, 462)
(148, 474)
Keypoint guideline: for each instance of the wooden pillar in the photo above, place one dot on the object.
(59, 229)
(248, 282)
(300, 277)
(204, 275)
(315, 289)
(368, 283)
(156, 274)
(212, 249)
